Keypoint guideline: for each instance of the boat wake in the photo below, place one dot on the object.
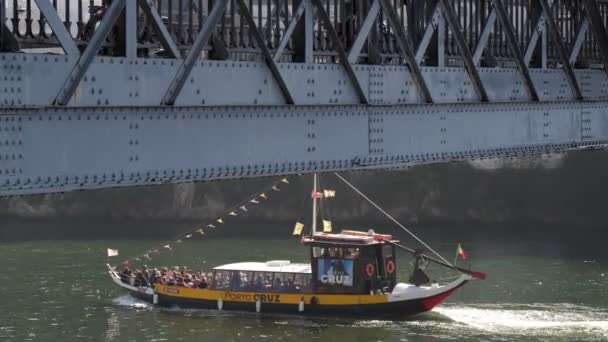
(546, 320)
(132, 302)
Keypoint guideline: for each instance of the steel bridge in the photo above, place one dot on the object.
(98, 94)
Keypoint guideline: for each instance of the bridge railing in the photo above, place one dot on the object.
(184, 18)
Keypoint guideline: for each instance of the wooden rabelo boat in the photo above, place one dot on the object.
(349, 273)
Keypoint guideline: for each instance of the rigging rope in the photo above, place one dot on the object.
(394, 220)
(185, 235)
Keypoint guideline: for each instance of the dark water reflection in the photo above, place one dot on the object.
(545, 284)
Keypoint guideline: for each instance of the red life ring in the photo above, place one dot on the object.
(390, 266)
(369, 270)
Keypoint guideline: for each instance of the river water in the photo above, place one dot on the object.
(544, 284)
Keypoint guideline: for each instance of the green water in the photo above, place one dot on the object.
(548, 284)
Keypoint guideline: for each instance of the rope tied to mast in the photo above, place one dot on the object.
(395, 221)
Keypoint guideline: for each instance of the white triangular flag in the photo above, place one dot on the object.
(329, 193)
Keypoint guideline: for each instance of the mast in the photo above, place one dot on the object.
(314, 203)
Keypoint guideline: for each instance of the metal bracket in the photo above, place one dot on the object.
(303, 35)
(514, 47)
(563, 54)
(195, 52)
(261, 44)
(165, 38)
(131, 28)
(452, 20)
(406, 49)
(62, 34)
(99, 37)
(340, 50)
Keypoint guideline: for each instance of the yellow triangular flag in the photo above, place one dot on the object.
(232, 213)
(284, 180)
(297, 230)
(200, 231)
(263, 195)
(220, 220)
(326, 226)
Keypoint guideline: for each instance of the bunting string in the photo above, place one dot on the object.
(199, 230)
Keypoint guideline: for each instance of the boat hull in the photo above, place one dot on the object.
(401, 308)
(410, 301)
(380, 305)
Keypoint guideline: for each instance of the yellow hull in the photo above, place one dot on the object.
(277, 298)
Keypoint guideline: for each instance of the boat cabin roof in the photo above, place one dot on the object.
(272, 266)
(351, 237)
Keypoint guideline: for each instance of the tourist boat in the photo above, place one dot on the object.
(349, 273)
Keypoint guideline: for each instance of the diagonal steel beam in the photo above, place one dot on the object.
(62, 34)
(366, 27)
(261, 44)
(194, 54)
(406, 49)
(157, 23)
(340, 50)
(599, 30)
(484, 37)
(428, 35)
(99, 37)
(513, 46)
(581, 33)
(461, 42)
(537, 33)
(297, 14)
(561, 49)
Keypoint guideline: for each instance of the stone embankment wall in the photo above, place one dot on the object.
(551, 189)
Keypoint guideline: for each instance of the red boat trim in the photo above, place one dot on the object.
(431, 302)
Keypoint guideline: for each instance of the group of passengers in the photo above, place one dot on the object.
(260, 282)
(225, 280)
(176, 276)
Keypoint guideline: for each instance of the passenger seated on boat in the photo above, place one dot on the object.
(203, 283)
(418, 277)
(154, 277)
(290, 286)
(277, 283)
(125, 275)
(139, 279)
(235, 281)
(259, 282)
(187, 281)
(351, 253)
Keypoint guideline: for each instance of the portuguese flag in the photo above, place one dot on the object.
(460, 251)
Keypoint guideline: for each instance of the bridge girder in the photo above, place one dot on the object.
(65, 149)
